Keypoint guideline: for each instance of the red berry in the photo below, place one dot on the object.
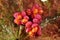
(28, 11)
(39, 32)
(26, 17)
(35, 29)
(38, 16)
(18, 22)
(16, 14)
(36, 5)
(40, 11)
(31, 34)
(24, 21)
(19, 17)
(34, 25)
(35, 20)
(35, 11)
(23, 13)
(28, 29)
(28, 24)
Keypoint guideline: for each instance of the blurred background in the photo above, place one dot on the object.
(50, 25)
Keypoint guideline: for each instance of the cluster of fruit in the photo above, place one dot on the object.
(30, 18)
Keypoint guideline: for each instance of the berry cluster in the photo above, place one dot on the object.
(30, 18)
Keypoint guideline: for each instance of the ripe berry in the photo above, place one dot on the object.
(41, 11)
(28, 11)
(16, 14)
(34, 25)
(35, 10)
(28, 29)
(38, 17)
(18, 22)
(35, 20)
(26, 17)
(19, 17)
(23, 13)
(24, 21)
(31, 34)
(35, 29)
(28, 24)
(39, 31)
(36, 5)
